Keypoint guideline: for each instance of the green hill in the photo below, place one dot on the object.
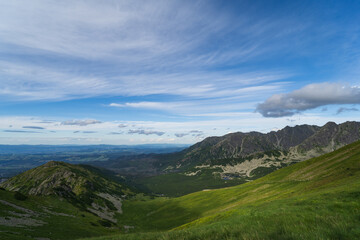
(61, 201)
(84, 186)
(315, 199)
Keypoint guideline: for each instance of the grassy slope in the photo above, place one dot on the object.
(314, 199)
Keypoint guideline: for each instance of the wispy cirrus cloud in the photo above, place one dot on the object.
(309, 97)
(130, 49)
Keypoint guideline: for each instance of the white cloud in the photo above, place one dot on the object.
(309, 97)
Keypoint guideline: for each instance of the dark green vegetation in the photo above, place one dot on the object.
(231, 159)
(315, 199)
(177, 184)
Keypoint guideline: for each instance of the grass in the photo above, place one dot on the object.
(314, 199)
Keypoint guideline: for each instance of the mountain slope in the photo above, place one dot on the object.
(314, 199)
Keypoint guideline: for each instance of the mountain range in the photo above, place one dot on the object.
(231, 159)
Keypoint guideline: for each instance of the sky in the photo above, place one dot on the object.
(143, 72)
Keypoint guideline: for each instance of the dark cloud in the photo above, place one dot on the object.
(198, 135)
(145, 132)
(33, 127)
(20, 131)
(180, 135)
(81, 122)
(116, 133)
(84, 132)
(342, 109)
(194, 133)
(308, 97)
(47, 121)
(122, 125)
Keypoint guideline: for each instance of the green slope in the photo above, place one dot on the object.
(315, 199)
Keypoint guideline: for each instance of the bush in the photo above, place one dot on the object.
(105, 223)
(19, 196)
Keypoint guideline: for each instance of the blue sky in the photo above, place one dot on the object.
(134, 72)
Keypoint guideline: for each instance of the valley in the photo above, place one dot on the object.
(226, 198)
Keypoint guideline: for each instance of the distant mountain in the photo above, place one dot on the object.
(233, 158)
(297, 143)
(241, 145)
(84, 186)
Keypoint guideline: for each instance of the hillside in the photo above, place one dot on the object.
(232, 159)
(83, 186)
(314, 199)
